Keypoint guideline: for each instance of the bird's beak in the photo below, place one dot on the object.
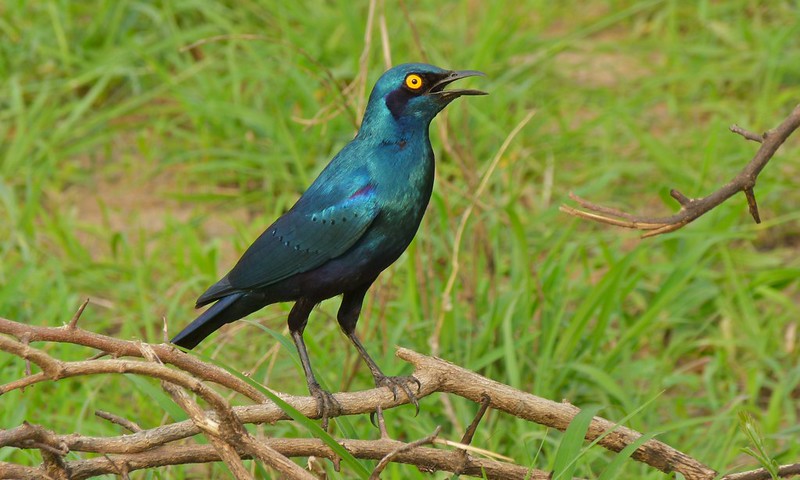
(449, 95)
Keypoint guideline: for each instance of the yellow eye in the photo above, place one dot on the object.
(414, 81)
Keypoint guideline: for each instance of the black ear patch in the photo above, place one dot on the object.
(396, 101)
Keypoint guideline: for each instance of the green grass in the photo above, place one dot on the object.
(134, 173)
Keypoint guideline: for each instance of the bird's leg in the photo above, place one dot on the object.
(327, 406)
(348, 317)
(393, 383)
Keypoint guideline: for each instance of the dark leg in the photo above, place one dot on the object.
(348, 317)
(326, 404)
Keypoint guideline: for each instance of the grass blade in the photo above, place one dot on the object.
(613, 469)
(569, 450)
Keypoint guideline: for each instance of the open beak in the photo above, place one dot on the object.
(449, 95)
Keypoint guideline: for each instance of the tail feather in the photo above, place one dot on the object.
(226, 310)
(215, 292)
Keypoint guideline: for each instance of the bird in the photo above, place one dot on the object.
(353, 221)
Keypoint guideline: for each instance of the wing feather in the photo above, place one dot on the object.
(300, 241)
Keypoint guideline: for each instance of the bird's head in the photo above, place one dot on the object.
(416, 92)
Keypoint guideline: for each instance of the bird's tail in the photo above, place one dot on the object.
(227, 309)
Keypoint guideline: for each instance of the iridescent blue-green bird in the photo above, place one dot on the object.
(355, 220)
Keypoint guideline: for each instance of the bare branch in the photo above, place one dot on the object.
(27, 435)
(211, 428)
(123, 422)
(784, 471)
(747, 134)
(752, 205)
(12, 470)
(464, 383)
(231, 442)
(692, 209)
(121, 348)
(473, 427)
(434, 459)
(389, 457)
(53, 462)
(381, 421)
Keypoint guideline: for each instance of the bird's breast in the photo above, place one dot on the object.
(404, 185)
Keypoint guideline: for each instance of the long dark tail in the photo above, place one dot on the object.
(226, 310)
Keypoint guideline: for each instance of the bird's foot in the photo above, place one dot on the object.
(327, 406)
(394, 384)
(400, 383)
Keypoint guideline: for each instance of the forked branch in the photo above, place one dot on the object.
(693, 208)
(224, 424)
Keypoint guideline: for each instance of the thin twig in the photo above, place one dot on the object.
(381, 423)
(376, 473)
(219, 38)
(747, 134)
(121, 470)
(486, 400)
(692, 209)
(472, 449)
(123, 422)
(74, 321)
(784, 471)
(28, 371)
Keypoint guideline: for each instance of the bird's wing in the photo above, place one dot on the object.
(302, 240)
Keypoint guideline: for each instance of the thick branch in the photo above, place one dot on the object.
(425, 457)
(433, 374)
(152, 448)
(693, 208)
(229, 434)
(464, 383)
(353, 403)
(121, 348)
(213, 430)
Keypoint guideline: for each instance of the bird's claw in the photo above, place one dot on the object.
(400, 383)
(327, 405)
(394, 384)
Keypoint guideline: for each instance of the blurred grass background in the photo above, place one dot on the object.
(134, 171)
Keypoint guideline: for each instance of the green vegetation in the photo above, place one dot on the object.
(134, 172)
